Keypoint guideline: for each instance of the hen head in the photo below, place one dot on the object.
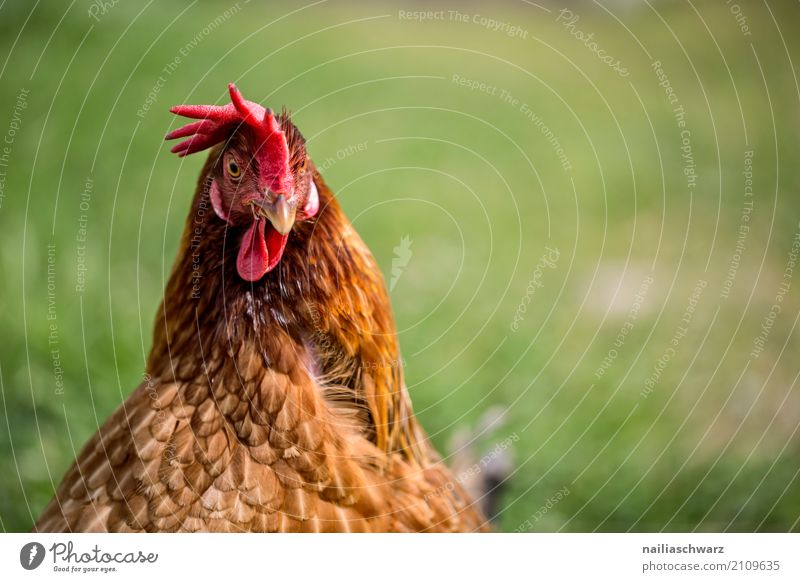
(260, 181)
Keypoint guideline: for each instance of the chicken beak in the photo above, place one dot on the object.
(280, 213)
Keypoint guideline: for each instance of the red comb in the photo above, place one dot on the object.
(216, 124)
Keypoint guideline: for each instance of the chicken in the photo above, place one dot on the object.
(273, 399)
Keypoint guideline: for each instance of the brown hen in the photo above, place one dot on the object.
(273, 399)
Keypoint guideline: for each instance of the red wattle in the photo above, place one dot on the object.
(276, 242)
(259, 254)
(252, 262)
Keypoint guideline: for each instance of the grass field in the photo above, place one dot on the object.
(602, 248)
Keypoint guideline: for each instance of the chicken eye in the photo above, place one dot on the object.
(233, 169)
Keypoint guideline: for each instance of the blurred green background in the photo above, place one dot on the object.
(556, 150)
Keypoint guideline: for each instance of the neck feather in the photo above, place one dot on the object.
(323, 310)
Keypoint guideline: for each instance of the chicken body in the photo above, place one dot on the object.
(274, 406)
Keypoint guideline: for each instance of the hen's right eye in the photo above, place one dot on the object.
(233, 169)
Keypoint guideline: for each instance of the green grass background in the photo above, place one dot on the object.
(480, 192)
